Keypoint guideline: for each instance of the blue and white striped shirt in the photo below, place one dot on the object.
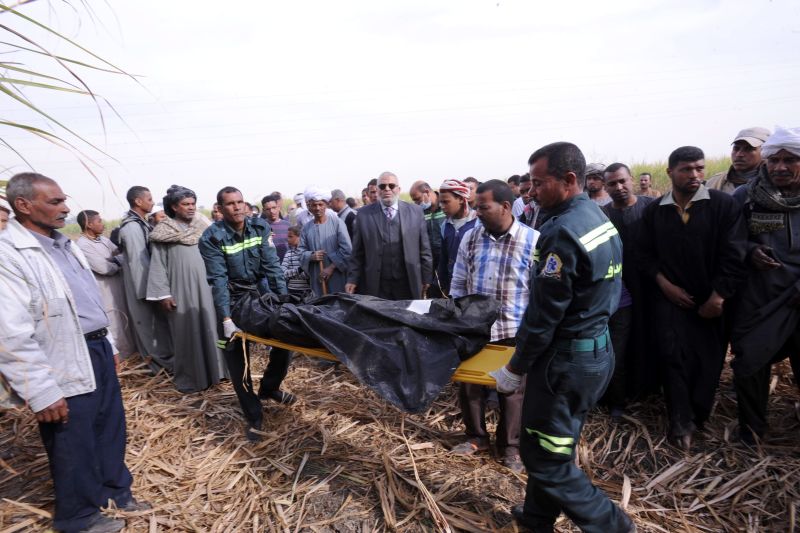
(499, 267)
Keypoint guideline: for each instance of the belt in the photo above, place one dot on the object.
(582, 345)
(95, 335)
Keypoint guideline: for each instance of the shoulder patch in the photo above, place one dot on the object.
(552, 266)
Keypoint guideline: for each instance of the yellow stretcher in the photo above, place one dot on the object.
(474, 370)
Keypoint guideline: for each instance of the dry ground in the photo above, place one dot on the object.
(341, 460)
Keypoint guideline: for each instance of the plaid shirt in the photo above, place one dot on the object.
(498, 267)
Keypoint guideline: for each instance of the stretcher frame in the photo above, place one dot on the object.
(474, 370)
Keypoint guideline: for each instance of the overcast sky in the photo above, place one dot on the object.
(276, 96)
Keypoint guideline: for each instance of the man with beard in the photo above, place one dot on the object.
(765, 329)
(627, 325)
(745, 161)
(391, 256)
(693, 245)
(177, 281)
(594, 184)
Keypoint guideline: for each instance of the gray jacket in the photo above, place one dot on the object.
(364, 266)
(43, 354)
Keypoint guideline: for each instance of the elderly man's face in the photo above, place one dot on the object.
(47, 209)
(784, 169)
(317, 208)
(744, 157)
(337, 204)
(389, 189)
(185, 209)
(594, 183)
(96, 225)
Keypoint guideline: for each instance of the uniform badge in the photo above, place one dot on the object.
(552, 267)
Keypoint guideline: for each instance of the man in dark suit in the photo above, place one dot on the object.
(391, 251)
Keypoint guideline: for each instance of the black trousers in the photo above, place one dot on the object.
(239, 368)
(562, 387)
(619, 326)
(752, 392)
(87, 453)
(692, 354)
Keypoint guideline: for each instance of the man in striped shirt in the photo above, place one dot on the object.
(495, 259)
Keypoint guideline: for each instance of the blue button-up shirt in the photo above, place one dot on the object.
(85, 292)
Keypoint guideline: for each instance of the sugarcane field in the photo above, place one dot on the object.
(343, 461)
(355, 267)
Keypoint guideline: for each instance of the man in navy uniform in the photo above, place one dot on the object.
(563, 345)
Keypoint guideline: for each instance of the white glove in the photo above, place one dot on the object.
(229, 328)
(507, 381)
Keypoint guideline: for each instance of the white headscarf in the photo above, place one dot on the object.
(314, 194)
(783, 139)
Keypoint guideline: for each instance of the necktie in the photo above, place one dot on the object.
(390, 213)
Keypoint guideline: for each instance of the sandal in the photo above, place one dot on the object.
(468, 448)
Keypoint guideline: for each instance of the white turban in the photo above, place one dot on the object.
(783, 139)
(314, 194)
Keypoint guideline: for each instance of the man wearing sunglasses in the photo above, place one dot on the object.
(391, 251)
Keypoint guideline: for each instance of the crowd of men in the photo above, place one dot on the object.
(609, 291)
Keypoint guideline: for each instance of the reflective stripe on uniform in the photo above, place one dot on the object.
(241, 246)
(598, 236)
(551, 443)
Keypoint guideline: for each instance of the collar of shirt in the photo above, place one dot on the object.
(471, 213)
(700, 194)
(510, 233)
(55, 240)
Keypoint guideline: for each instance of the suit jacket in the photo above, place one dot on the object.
(365, 262)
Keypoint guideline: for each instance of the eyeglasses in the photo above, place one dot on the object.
(384, 186)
